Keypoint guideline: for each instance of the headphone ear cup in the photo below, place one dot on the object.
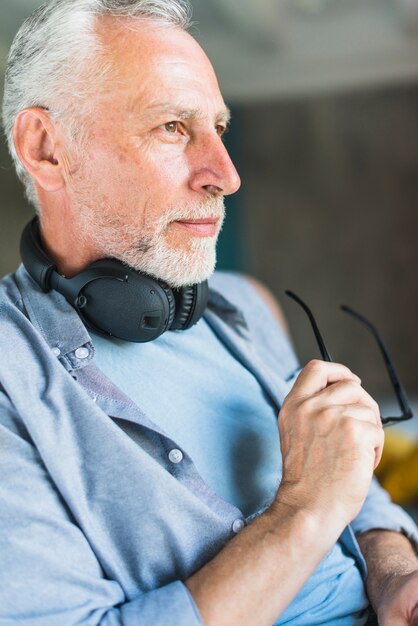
(171, 301)
(191, 303)
(137, 309)
(114, 299)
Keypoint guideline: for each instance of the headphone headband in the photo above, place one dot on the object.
(35, 259)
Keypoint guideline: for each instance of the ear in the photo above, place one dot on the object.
(36, 143)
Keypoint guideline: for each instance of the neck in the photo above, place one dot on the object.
(62, 241)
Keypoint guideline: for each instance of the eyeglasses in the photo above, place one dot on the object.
(406, 412)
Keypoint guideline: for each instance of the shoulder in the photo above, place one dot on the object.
(10, 295)
(264, 320)
(247, 292)
(269, 299)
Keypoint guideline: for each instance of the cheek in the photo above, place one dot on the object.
(163, 163)
(115, 175)
(137, 182)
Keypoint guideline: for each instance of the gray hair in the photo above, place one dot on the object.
(48, 64)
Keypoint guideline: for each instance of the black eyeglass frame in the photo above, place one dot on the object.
(406, 412)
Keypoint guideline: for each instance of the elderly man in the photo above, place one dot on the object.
(145, 478)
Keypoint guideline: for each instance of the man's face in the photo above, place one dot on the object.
(149, 189)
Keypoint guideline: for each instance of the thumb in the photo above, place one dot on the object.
(317, 375)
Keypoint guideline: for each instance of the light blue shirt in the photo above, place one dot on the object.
(103, 514)
(210, 405)
(216, 410)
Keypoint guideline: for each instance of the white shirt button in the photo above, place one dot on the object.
(82, 353)
(175, 455)
(238, 525)
(56, 351)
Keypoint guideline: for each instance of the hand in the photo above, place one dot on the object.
(331, 441)
(400, 604)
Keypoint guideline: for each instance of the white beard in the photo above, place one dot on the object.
(148, 250)
(175, 267)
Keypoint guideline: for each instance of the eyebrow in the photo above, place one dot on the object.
(180, 113)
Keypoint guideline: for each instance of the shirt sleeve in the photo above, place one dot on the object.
(379, 512)
(49, 573)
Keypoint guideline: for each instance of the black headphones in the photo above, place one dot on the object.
(113, 299)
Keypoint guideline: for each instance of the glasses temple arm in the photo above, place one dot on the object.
(400, 394)
(321, 344)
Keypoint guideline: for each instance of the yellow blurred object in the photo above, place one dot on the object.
(397, 446)
(398, 469)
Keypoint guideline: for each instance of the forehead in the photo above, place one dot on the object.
(159, 65)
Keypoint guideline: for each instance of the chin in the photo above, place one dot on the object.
(186, 278)
(177, 268)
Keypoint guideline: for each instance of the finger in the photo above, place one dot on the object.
(371, 431)
(360, 431)
(346, 392)
(372, 437)
(317, 375)
(358, 412)
(379, 440)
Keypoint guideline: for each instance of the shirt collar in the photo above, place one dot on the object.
(228, 312)
(57, 321)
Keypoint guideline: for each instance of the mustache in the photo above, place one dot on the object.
(208, 208)
(214, 207)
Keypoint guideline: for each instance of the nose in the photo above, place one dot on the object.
(212, 168)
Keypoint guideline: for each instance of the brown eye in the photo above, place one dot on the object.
(171, 127)
(221, 130)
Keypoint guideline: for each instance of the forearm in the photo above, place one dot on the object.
(254, 578)
(331, 439)
(388, 556)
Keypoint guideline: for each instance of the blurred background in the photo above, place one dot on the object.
(324, 95)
